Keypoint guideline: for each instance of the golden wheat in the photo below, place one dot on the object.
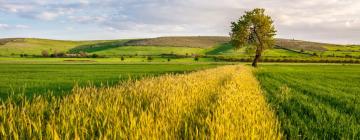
(220, 103)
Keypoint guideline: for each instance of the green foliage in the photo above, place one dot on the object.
(254, 29)
(314, 101)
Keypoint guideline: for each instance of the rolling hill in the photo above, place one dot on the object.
(201, 45)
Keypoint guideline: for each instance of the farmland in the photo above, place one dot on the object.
(60, 78)
(214, 103)
(177, 87)
(190, 46)
(314, 101)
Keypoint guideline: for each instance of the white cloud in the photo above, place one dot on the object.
(4, 26)
(22, 26)
(9, 27)
(47, 15)
(318, 20)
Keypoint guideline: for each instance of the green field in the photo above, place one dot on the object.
(228, 50)
(185, 46)
(33, 46)
(314, 101)
(59, 78)
(150, 50)
(112, 60)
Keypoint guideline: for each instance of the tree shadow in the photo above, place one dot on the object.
(220, 49)
(90, 48)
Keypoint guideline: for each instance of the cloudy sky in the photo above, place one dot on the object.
(335, 21)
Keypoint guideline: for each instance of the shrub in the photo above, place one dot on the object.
(122, 58)
(149, 58)
(94, 55)
(196, 58)
(168, 59)
(45, 53)
(83, 54)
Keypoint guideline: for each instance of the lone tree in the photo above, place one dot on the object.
(255, 29)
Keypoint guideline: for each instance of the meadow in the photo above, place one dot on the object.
(220, 103)
(59, 79)
(314, 101)
(150, 50)
(177, 88)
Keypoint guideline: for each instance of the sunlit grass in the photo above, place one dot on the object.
(224, 103)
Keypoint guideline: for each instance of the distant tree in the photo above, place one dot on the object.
(302, 51)
(196, 58)
(149, 58)
(168, 59)
(45, 53)
(94, 55)
(82, 54)
(122, 58)
(254, 29)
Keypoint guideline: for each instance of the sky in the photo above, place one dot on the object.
(332, 21)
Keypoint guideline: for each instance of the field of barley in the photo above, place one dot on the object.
(224, 102)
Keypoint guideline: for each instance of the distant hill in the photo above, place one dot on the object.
(301, 45)
(210, 45)
(188, 41)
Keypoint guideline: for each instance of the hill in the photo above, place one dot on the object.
(189, 41)
(34, 46)
(204, 45)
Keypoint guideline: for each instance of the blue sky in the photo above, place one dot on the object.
(334, 21)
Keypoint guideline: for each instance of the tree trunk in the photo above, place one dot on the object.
(257, 58)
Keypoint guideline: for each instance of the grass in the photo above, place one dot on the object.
(181, 41)
(112, 60)
(220, 103)
(150, 50)
(33, 46)
(228, 50)
(313, 101)
(61, 78)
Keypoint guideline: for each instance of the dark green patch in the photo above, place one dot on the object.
(314, 102)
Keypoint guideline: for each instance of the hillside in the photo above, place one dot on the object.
(189, 41)
(209, 45)
(34, 46)
(301, 45)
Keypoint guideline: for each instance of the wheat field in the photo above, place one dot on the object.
(220, 103)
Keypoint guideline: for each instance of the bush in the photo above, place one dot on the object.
(168, 59)
(196, 58)
(149, 58)
(45, 53)
(83, 54)
(94, 55)
(122, 58)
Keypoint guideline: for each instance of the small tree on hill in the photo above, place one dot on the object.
(254, 29)
(149, 58)
(196, 58)
(45, 53)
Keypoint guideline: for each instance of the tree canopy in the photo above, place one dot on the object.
(254, 28)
